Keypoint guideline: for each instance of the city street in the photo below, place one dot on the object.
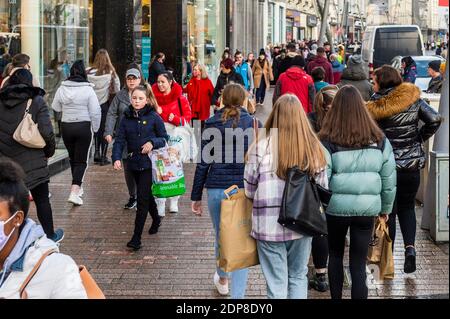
(179, 262)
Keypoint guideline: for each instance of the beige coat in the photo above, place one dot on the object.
(259, 71)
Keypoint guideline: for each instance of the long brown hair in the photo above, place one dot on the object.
(102, 63)
(233, 97)
(348, 122)
(324, 98)
(298, 145)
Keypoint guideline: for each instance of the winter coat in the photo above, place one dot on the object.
(245, 71)
(173, 103)
(347, 167)
(323, 62)
(78, 103)
(286, 63)
(355, 75)
(435, 85)
(199, 93)
(135, 130)
(398, 112)
(260, 71)
(222, 81)
(36, 82)
(102, 85)
(13, 103)
(297, 82)
(155, 69)
(225, 173)
(58, 276)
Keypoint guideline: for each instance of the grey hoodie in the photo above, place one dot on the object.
(78, 103)
(355, 74)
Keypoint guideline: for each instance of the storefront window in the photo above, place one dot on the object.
(289, 29)
(206, 34)
(270, 31)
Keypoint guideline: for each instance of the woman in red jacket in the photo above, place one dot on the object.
(174, 109)
(200, 91)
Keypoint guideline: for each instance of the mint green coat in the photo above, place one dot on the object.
(363, 181)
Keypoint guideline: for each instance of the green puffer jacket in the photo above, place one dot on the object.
(363, 181)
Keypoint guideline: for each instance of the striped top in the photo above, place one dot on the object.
(263, 185)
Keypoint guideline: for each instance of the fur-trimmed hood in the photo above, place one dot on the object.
(394, 101)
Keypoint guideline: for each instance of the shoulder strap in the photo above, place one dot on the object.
(181, 111)
(22, 292)
(29, 102)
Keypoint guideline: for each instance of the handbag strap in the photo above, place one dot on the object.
(29, 103)
(23, 294)
(181, 111)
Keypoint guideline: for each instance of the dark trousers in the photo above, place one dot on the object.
(261, 91)
(77, 139)
(129, 179)
(145, 201)
(319, 252)
(405, 207)
(43, 208)
(360, 236)
(100, 143)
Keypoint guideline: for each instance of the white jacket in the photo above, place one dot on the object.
(57, 278)
(102, 84)
(78, 103)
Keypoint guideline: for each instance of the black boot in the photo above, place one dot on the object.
(155, 226)
(135, 243)
(410, 260)
(104, 160)
(97, 155)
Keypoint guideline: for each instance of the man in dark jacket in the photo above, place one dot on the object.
(321, 60)
(434, 70)
(14, 99)
(355, 74)
(156, 68)
(227, 75)
(287, 61)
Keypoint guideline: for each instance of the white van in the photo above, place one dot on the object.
(381, 44)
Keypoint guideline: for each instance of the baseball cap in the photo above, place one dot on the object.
(134, 72)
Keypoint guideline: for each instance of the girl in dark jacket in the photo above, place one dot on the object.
(141, 131)
(227, 75)
(409, 70)
(219, 175)
(13, 103)
(398, 109)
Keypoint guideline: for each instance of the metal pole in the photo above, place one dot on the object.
(324, 23)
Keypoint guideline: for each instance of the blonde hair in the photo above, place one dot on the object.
(147, 89)
(298, 145)
(102, 63)
(233, 97)
(202, 68)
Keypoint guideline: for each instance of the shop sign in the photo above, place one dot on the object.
(293, 14)
(146, 55)
(311, 20)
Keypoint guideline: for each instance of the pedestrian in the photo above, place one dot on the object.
(340, 56)
(19, 61)
(156, 67)
(322, 104)
(321, 60)
(245, 71)
(439, 50)
(276, 65)
(4, 61)
(338, 67)
(227, 75)
(106, 85)
(400, 113)
(250, 59)
(283, 253)
(318, 75)
(355, 74)
(14, 99)
(361, 167)
(327, 48)
(141, 131)
(286, 62)
(262, 72)
(218, 175)
(409, 70)
(199, 93)
(81, 118)
(117, 109)
(297, 82)
(23, 243)
(435, 85)
(175, 111)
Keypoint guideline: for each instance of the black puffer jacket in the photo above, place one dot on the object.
(13, 102)
(222, 81)
(398, 112)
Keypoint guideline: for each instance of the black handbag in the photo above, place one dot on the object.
(302, 207)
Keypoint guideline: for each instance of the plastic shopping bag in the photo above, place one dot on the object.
(183, 139)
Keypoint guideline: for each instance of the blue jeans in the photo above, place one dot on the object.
(239, 277)
(285, 267)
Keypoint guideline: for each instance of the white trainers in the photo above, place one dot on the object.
(75, 199)
(173, 207)
(222, 289)
(161, 205)
(81, 192)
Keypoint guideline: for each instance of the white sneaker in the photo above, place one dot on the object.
(161, 205)
(75, 199)
(222, 289)
(81, 192)
(173, 207)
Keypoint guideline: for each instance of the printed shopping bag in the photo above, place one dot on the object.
(168, 174)
(183, 139)
(237, 249)
(380, 250)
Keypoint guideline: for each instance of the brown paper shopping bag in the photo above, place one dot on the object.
(380, 250)
(237, 249)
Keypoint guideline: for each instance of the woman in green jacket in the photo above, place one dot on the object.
(362, 175)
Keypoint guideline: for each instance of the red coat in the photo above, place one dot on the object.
(169, 104)
(296, 81)
(323, 62)
(200, 94)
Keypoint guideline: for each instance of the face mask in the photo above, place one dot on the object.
(3, 237)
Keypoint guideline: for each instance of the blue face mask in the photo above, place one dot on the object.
(3, 237)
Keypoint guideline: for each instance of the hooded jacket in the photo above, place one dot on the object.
(317, 61)
(355, 75)
(78, 103)
(13, 103)
(200, 93)
(102, 84)
(222, 81)
(410, 73)
(57, 278)
(173, 103)
(286, 63)
(398, 112)
(297, 82)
